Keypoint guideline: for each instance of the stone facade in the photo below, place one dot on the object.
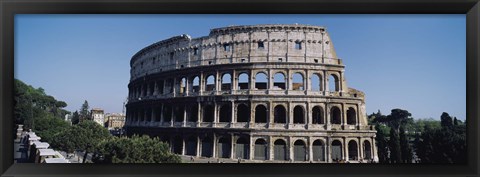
(115, 121)
(264, 93)
(98, 116)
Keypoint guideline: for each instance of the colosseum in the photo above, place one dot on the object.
(259, 93)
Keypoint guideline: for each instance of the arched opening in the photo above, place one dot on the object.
(280, 150)
(316, 82)
(337, 150)
(260, 114)
(196, 84)
(167, 113)
(223, 148)
(261, 81)
(151, 88)
(351, 116)
(226, 82)
(179, 113)
(279, 81)
(318, 151)
(208, 113)
(183, 84)
(193, 117)
(170, 85)
(243, 113)
(298, 115)
(333, 83)
(298, 82)
(160, 87)
(317, 115)
(299, 151)
(241, 148)
(191, 146)
(225, 113)
(243, 81)
(335, 115)
(280, 115)
(177, 145)
(260, 149)
(207, 147)
(352, 150)
(367, 150)
(210, 83)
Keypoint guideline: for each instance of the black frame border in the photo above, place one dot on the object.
(8, 9)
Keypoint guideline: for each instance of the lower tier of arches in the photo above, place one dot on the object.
(267, 146)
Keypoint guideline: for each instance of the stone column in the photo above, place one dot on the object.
(232, 146)
(155, 88)
(173, 116)
(184, 115)
(326, 87)
(270, 79)
(251, 148)
(360, 147)
(161, 114)
(199, 114)
(215, 114)
(290, 148)
(310, 149)
(344, 116)
(345, 148)
(328, 146)
(218, 81)
(308, 115)
(289, 115)
(328, 124)
(234, 81)
(214, 149)
(233, 117)
(198, 146)
(288, 80)
(183, 145)
(270, 148)
(201, 83)
(187, 86)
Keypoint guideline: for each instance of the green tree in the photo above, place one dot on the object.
(77, 137)
(75, 118)
(446, 121)
(395, 149)
(382, 143)
(134, 150)
(48, 126)
(406, 149)
(84, 111)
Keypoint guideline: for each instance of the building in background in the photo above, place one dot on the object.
(114, 121)
(98, 116)
(68, 118)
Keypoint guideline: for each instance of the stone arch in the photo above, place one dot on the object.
(317, 115)
(243, 113)
(335, 115)
(298, 115)
(299, 151)
(316, 82)
(260, 149)
(223, 147)
(318, 150)
(208, 113)
(179, 113)
(298, 83)
(333, 83)
(261, 81)
(280, 150)
(243, 81)
(210, 83)
(183, 85)
(226, 82)
(207, 147)
(280, 114)
(261, 114)
(191, 146)
(279, 81)
(367, 150)
(242, 148)
(177, 145)
(352, 150)
(167, 113)
(337, 151)
(193, 115)
(196, 84)
(225, 113)
(351, 116)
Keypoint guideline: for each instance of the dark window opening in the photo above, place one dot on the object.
(260, 45)
(193, 117)
(208, 113)
(195, 51)
(335, 116)
(243, 113)
(225, 113)
(260, 114)
(226, 47)
(351, 116)
(298, 115)
(280, 115)
(298, 45)
(317, 115)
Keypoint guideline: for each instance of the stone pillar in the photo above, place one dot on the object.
(234, 81)
(187, 86)
(199, 114)
(232, 146)
(184, 115)
(183, 145)
(201, 83)
(326, 87)
(173, 117)
(174, 85)
(233, 117)
(345, 149)
(251, 148)
(270, 148)
(218, 80)
(290, 148)
(374, 150)
(270, 79)
(214, 149)
(328, 124)
(360, 147)
(161, 114)
(328, 147)
(198, 146)
(288, 80)
(308, 114)
(215, 113)
(310, 149)
(344, 115)
(155, 88)
(289, 114)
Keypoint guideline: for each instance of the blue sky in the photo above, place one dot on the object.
(412, 62)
